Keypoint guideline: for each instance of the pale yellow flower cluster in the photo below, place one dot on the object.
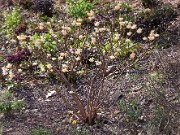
(65, 30)
(90, 15)
(7, 71)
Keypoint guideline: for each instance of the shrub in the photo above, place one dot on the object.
(69, 50)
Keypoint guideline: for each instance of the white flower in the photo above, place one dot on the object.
(117, 36)
(129, 33)
(68, 29)
(91, 59)
(96, 24)
(98, 63)
(62, 54)
(121, 19)
(64, 70)
(21, 37)
(122, 23)
(147, 10)
(112, 57)
(64, 32)
(91, 18)
(48, 23)
(139, 31)
(71, 92)
(78, 51)
(134, 26)
(73, 23)
(151, 38)
(132, 56)
(78, 24)
(144, 38)
(78, 58)
(49, 66)
(53, 58)
(9, 65)
(93, 40)
(48, 55)
(80, 37)
(156, 35)
(79, 20)
(90, 14)
(128, 26)
(117, 7)
(102, 29)
(60, 58)
(34, 63)
(20, 70)
(4, 71)
(64, 66)
(38, 42)
(11, 75)
(128, 40)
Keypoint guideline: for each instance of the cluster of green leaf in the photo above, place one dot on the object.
(79, 8)
(41, 132)
(130, 109)
(8, 104)
(12, 21)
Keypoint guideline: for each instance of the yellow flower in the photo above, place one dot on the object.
(74, 122)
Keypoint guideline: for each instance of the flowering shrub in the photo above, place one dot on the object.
(86, 48)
